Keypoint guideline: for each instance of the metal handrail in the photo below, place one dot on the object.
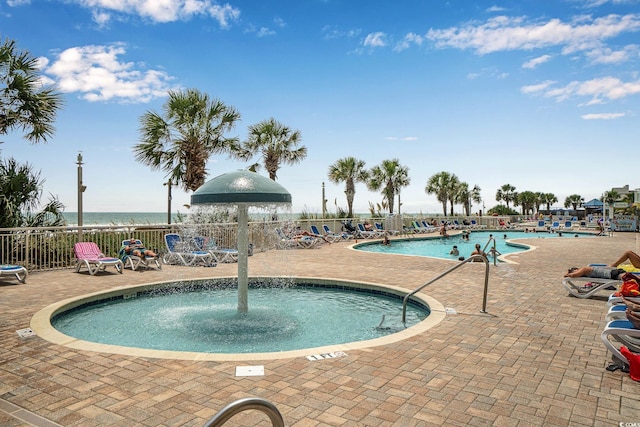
(495, 253)
(245, 404)
(441, 275)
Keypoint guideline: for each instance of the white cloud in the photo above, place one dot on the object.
(164, 11)
(408, 40)
(375, 40)
(599, 90)
(609, 56)
(264, 31)
(533, 63)
(537, 88)
(504, 33)
(14, 3)
(495, 9)
(97, 75)
(603, 116)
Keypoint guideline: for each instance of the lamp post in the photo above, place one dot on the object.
(81, 189)
(324, 202)
(168, 184)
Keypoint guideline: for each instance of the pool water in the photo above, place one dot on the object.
(439, 247)
(207, 320)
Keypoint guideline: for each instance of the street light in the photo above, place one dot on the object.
(81, 189)
(168, 184)
(324, 202)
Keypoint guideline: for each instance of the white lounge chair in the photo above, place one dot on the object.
(331, 238)
(89, 255)
(17, 271)
(623, 333)
(296, 242)
(344, 235)
(134, 261)
(182, 252)
(209, 244)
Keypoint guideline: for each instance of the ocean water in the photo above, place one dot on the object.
(142, 218)
(119, 218)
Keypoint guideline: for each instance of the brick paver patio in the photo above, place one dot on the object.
(534, 359)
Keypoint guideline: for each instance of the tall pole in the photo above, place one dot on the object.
(81, 189)
(168, 184)
(324, 202)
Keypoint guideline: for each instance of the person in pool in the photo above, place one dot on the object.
(454, 251)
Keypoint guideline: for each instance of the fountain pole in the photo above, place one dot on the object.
(243, 254)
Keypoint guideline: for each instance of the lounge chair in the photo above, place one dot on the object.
(381, 229)
(623, 332)
(542, 226)
(419, 228)
(19, 272)
(332, 238)
(224, 255)
(585, 287)
(297, 242)
(133, 261)
(555, 226)
(475, 225)
(568, 225)
(182, 252)
(428, 227)
(344, 235)
(89, 255)
(363, 233)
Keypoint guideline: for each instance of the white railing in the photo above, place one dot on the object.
(51, 248)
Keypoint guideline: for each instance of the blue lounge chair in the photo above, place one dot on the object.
(208, 244)
(19, 272)
(329, 237)
(134, 261)
(296, 242)
(623, 332)
(344, 235)
(182, 252)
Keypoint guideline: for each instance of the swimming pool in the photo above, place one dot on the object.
(440, 247)
(201, 316)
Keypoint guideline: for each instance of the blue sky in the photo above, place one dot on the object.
(542, 95)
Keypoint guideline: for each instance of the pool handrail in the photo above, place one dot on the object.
(244, 404)
(441, 275)
(495, 253)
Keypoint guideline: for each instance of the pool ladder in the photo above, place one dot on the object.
(243, 405)
(484, 259)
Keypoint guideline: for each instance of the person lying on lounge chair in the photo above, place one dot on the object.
(597, 272)
(606, 272)
(135, 249)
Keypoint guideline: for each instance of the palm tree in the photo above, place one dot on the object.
(507, 193)
(548, 199)
(276, 142)
(348, 170)
(475, 197)
(574, 200)
(389, 176)
(455, 188)
(20, 191)
(181, 142)
(442, 185)
(527, 200)
(463, 197)
(24, 102)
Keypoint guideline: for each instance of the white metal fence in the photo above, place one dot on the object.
(51, 248)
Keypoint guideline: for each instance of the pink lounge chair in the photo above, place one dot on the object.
(89, 255)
